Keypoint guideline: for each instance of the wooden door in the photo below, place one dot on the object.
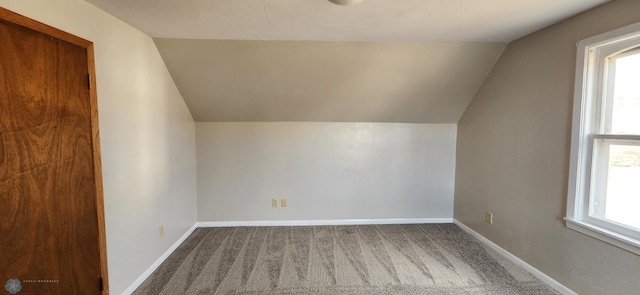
(51, 212)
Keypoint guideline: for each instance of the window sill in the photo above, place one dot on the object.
(630, 244)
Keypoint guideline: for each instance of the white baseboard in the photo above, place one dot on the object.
(534, 271)
(322, 222)
(159, 261)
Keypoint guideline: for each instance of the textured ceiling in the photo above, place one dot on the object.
(320, 20)
(413, 61)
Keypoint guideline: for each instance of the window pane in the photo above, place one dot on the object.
(623, 185)
(626, 96)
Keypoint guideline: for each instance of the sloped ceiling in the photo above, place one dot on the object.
(327, 81)
(417, 61)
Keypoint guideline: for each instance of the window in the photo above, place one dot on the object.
(604, 181)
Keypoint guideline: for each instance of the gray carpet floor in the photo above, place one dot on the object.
(362, 259)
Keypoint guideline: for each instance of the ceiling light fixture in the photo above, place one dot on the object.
(344, 2)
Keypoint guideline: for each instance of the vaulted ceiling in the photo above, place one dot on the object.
(418, 61)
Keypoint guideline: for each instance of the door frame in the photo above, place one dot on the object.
(34, 25)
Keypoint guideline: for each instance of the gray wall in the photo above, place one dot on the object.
(325, 170)
(147, 137)
(513, 157)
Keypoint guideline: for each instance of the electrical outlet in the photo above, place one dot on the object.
(161, 231)
(283, 202)
(274, 203)
(489, 217)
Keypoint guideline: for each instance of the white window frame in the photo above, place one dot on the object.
(589, 89)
